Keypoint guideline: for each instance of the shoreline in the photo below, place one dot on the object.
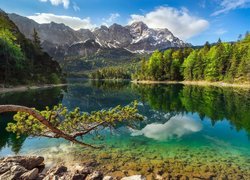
(197, 83)
(22, 88)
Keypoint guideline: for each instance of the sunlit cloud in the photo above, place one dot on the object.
(73, 22)
(180, 22)
(65, 3)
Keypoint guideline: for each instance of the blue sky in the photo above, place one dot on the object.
(194, 21)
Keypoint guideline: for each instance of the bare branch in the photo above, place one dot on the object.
(88, 130)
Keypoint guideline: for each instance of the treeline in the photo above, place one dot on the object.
(219, 62)
(110, 73)
(22, 61)
(115, 72)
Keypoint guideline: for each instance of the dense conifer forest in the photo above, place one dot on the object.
(222, 61)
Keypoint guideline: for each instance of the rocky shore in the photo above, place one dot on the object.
(34, 168)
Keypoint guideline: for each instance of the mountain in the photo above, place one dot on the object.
(137, 37)
(22, 60)
(115, 43)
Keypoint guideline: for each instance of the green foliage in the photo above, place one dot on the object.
(189, 65)
(21, 60)
(111, 73)
(220, 62)
(36, 39)
(54, 79)
(71, 121)
(165, 65)
(10, 48)
(115, 72)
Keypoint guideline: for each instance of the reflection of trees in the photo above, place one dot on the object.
(110, 85)
(219, 103)
(213, 102)
(33, 98)
(162, 98)
(96, 95)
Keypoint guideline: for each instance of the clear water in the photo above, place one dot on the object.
(186, 127)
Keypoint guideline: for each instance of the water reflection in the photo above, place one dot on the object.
(171, 111)
(215, 103)
(32, 98)
(175, 127)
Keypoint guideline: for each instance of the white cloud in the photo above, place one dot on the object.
(111, 19)
(228, 5)
(179, 22)
(76, 7)
(220, 31)
(175, 127)
(58, 2)
(73, 22)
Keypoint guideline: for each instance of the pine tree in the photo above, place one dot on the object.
(36, 39)
(219, 42)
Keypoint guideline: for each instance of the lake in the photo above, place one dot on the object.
(187, 129)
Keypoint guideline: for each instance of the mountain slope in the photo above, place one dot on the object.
(22, 61)
(86, 49)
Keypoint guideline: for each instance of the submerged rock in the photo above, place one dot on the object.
(135, 177)
(108, 178)
(96, 175)
(82, 170)
(78, 177)
(59, 170)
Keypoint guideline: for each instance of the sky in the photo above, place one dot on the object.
(194, 21)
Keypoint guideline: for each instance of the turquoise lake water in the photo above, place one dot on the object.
(191, 125)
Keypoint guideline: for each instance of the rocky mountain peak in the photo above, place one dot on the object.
(102, 27)
(116, 26)
(137, 28)
(139, 24)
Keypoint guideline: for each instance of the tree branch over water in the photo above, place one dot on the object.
(59, 122)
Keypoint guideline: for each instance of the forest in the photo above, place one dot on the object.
(229, 62)
(22, 61)
(123, 71)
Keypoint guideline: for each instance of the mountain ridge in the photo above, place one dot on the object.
(137, 37)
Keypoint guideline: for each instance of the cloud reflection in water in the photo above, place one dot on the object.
(175, 127)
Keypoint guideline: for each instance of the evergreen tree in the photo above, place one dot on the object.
(219, 62)
(36, 39)
(189, 64)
